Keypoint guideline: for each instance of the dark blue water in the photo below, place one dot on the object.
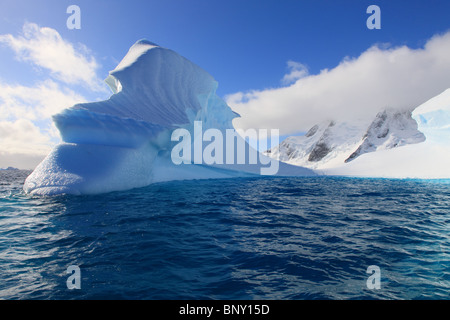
(252, 238)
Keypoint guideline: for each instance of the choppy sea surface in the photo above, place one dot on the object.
(250, 238)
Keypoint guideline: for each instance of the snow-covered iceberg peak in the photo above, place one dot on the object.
(158, 86)
(125, 142)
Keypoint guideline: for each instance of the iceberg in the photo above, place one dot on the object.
(125, 142)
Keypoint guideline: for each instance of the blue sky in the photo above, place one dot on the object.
(247, 46)
(243, 44)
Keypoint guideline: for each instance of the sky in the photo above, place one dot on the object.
(279, 64)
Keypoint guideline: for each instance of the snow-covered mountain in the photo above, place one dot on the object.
(390, 129)
(394, 144)
(331, 143)
(326, 144)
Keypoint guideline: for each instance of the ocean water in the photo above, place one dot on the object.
(250, 238)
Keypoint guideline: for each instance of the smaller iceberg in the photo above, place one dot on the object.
(127, 141)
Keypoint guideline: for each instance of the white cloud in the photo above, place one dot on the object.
(27, 132)
(296, 72)
(37, 102)
(22, 144)
(26, 129)
(359, 87)
(23, 137)
(45, 48)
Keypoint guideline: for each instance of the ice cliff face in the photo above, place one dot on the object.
(125, 142)
(333, 143)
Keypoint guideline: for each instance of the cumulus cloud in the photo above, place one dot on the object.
(44, 47)
(27, 132)
(22, 144)
(382, 76)
(23, 137)
(37, 102)
(296, 72)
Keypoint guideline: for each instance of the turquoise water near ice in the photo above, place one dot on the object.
(246, 238)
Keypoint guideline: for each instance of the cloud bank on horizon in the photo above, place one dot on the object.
(27, 132)
(381, 77)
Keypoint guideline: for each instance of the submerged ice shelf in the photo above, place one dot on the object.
(125, 142)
